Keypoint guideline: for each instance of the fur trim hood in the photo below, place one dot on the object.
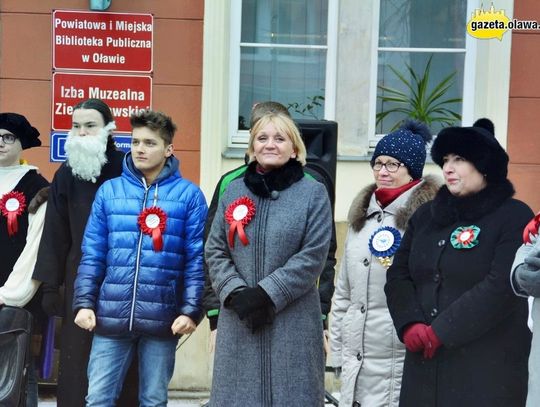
(425, 192)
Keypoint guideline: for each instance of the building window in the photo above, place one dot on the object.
(282, 50)
(411, 35)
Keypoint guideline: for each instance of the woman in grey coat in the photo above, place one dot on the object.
(363, 341)
(265, 253)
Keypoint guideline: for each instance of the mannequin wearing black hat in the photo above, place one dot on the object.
(360, 322)
(448, 290)
(92, 159)
(20, 230)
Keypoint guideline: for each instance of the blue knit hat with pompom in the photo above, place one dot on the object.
(407, 145)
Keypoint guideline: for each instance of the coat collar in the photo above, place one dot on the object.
(365, 205)
(447, 208)
(169, 169)
(276, 180)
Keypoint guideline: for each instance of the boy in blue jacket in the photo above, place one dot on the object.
(140, 280)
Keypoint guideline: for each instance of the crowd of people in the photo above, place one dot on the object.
(430, 303)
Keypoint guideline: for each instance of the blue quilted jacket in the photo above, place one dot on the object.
(131, 287)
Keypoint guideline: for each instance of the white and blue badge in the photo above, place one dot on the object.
(384, 243)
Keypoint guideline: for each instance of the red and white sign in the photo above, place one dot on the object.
(86, 40)
(125, 95)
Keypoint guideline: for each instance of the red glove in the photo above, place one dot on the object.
(415, 337)
(434, 343)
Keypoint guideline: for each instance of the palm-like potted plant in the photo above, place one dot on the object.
(418, 101)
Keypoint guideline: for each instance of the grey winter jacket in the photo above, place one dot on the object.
(363, 340)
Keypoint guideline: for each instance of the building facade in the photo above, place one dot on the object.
(325, 59)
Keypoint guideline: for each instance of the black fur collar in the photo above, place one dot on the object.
(276, 180)
(447, 208)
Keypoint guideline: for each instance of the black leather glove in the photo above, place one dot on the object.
(213, 320)
(245, 301)
(259, 318)
(51, 301)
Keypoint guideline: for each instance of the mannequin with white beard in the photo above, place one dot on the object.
(91, 160)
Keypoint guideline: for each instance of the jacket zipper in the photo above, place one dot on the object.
(139, 246)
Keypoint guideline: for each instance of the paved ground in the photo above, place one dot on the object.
(176, 399)
(173, 403)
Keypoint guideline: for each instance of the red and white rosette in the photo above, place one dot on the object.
(152, 222)
(238, 214)
(12, 205)
(531, 229)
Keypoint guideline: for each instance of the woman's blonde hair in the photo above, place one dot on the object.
(284, 125)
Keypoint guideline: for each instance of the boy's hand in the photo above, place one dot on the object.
(183, 325)
(86, 319)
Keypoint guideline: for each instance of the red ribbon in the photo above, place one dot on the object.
(238, 214)
(152, 222)
(531, 229)
(12, 205)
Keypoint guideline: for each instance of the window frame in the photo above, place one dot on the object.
(239, 138)
(469, 68)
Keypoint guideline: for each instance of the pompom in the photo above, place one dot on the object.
(485, 124)
(418, 128)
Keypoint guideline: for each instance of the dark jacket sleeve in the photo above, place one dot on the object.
(193, 273)
(399, 288)
(326, 281)
(211, 303)
(93, 264)
(56, 238)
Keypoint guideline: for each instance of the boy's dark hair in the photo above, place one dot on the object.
(155, 121)
(262, 108)
(99, 105)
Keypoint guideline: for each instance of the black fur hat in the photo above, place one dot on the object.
(476, 144)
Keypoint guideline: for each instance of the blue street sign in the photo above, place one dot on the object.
(58, 141)
(123, 142)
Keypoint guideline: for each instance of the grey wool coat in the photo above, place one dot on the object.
(281, 364)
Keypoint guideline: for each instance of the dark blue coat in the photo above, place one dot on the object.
(131, 286)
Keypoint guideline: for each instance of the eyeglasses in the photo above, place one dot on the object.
(391, 166)
(8, 138)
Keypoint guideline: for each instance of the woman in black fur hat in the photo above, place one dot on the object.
(448, 289)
